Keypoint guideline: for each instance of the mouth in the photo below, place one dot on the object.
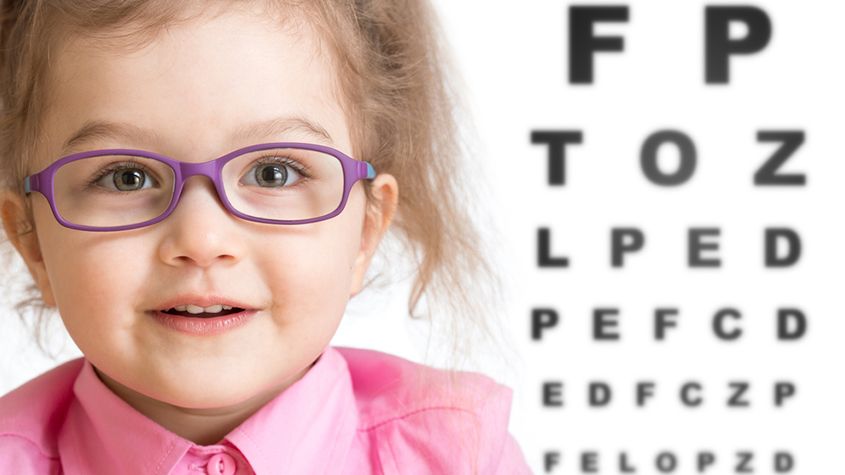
(202, 313)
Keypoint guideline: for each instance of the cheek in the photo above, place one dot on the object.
(66, 261)
(94, 278)
(312, 270)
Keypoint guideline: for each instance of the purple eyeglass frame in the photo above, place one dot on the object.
(353, 170)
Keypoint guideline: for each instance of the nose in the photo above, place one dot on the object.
(201, 231)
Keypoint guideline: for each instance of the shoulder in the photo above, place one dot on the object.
(419, 416)
(385, 383)
(32, 415)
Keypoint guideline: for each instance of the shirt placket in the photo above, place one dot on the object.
(213, 460)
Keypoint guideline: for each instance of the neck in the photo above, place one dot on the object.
(205, 426)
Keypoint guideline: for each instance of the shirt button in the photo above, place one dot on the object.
(221, 464)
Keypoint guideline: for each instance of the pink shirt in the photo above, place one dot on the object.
(355, 411)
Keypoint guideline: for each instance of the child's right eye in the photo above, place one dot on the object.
(124, 178)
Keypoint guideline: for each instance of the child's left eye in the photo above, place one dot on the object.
(273, 173)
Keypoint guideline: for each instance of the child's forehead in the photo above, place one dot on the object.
(173, 38)
(108, 56)
(131, 35)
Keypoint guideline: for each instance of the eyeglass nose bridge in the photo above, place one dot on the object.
(209, 169)
(186, 170)
(189, 169)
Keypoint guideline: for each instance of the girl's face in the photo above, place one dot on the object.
(194, 87)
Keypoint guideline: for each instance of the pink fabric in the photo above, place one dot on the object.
(356, 411)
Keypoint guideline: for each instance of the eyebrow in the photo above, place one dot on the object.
(94, 130)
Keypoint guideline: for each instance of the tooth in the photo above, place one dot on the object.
(193, 309)
(196, 309)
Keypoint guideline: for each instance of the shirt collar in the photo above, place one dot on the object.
(308, 428)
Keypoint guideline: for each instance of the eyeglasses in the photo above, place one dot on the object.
(275, 183)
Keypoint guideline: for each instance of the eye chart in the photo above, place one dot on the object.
(669, 176)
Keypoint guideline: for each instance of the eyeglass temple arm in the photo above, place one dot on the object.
(32, 183)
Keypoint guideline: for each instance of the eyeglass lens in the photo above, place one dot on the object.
(120, 190)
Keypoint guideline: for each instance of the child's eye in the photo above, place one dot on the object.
(274, 172)
(125, 177)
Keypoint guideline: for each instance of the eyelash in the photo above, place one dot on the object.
(296, 165)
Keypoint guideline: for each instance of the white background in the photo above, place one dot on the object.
(513, 58)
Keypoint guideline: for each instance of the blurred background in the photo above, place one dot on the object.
(765, 404)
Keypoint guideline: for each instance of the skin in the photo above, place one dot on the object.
(194, 85)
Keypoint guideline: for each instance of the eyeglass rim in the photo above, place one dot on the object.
(43, 181)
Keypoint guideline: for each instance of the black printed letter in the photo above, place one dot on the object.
(686, 158)
(557, 142)
(767, 174)
(582, 43)
(719, 45)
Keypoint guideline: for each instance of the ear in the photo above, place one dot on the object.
(377, 220)
(15, 222)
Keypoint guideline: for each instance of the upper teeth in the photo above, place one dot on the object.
(195, 309)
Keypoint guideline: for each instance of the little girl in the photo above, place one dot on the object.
(199, 188)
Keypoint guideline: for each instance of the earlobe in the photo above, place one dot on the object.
(12, 211)
(377, 219)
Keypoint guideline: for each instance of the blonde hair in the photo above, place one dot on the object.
(396, 79)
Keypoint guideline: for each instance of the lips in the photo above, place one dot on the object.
(204, 326)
